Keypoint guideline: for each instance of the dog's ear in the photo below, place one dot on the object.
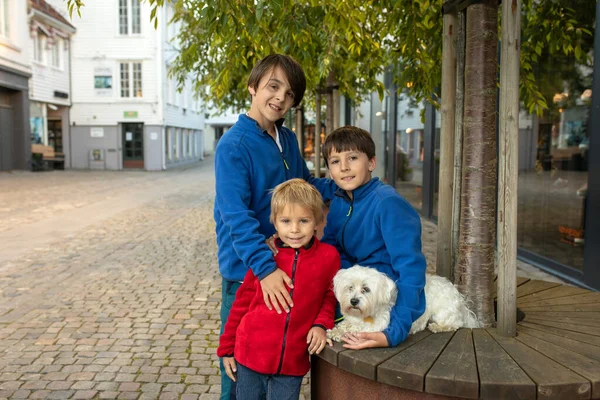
(339, 281)
(387, 291)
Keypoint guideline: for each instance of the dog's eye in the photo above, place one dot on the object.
(350, 288)
(366, 290)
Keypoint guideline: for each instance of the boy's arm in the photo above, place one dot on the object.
(233, 196)
(401, 231)
(243, 297)
(325, 317)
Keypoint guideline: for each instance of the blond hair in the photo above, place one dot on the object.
(297, 191)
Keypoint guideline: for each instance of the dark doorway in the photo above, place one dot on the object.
(55, 137)
(6, 138)
(133, 145)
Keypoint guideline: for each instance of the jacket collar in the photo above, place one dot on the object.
(310, 245)
(358, 192)
(248, 122)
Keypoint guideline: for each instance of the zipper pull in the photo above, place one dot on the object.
(349, 212)
(285, 163)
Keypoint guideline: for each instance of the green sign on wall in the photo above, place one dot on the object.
(130, 114)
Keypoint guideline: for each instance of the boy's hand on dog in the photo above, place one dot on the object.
(275, 292)
(364, 340)
(230, 367)
(316, 339)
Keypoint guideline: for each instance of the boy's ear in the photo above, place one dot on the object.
(252, 91)
(372, 164)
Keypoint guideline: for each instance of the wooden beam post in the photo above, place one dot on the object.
(444, 238)
(508, 168)
(458, 133)
(317, 143)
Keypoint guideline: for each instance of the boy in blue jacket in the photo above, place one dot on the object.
(373, 226)
(253, 157)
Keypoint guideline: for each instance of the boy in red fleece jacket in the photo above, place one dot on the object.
(267, 353)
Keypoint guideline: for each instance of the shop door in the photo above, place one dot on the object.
(6, 138)
(55, 138)
(133, 145)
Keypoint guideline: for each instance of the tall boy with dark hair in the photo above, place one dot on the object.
(253, 157)
(372, 225)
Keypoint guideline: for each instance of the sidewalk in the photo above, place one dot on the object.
(109, 285)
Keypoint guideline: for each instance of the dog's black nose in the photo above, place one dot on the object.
(354, 302)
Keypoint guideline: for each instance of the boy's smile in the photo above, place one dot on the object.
(271, 99)
(350, 169)
(295, 225)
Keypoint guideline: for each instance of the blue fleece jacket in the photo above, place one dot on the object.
(248, 165)
(379, 229)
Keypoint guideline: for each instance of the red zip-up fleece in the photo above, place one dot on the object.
(271, 343)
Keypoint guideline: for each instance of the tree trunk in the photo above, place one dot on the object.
(475, 264)
(331, 109)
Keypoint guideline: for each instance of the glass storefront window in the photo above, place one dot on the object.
(36, 122)
(554, 160)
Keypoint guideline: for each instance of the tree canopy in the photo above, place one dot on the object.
(352, 41)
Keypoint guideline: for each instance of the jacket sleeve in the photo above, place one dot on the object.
(239, 308)
(233, 197)
(330, 234)
(401, 230)
(326, 316)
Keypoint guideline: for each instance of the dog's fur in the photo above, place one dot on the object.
(366, 297)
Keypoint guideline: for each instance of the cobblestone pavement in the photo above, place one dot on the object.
(109, 285)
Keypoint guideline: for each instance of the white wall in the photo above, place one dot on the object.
(14, 48)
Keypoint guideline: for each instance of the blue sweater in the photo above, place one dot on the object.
(248, 165)
(379, 229)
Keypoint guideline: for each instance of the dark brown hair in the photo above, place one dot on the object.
(348, 138)
(292, 70)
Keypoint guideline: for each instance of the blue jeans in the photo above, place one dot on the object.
(227, 297)
(254, 386)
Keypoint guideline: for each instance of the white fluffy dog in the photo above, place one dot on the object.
(366, 297)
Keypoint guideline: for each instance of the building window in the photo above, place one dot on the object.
(56, 53)
(4, 20)
(38, 46)
(129, 17)
(131, 87)
(125, 80)
(137, 79)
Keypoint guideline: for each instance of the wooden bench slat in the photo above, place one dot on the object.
(407, 369)
(555, 292)
(553, 380)
(568, 326)
(534, 287)
(586, 298)
(364, 362)
(581, 337)
(561, 307)
(584, 366)
(500, 377)
(565, 317)
(575, 346)
(520, 281)
(330, 354)
(455, 371)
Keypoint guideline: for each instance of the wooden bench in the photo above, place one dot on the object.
(47, 158)
(556, 355)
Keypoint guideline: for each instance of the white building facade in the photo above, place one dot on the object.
(125, 110)
(50, 85)
(15, 71)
